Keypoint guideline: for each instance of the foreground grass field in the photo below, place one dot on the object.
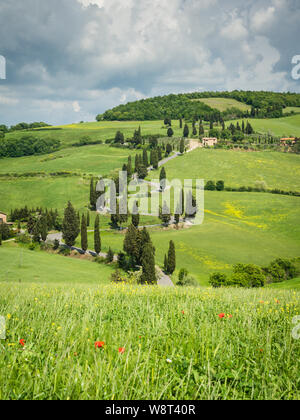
(173, 343)
(277, 170)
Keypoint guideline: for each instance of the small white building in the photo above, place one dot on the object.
(209, 141)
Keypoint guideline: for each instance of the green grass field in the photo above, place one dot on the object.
(283, 127)
(238, 228)
(175, 345)
(222, 104)
(277, 170)
(19, 264)
(70, 134)
(97, 160)
(288, 109)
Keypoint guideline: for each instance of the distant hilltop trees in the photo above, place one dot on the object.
(189, 106)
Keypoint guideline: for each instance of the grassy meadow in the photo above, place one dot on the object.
(19, 264)
(283, 127)
(237, 168)
(222, 104)
(167, 344)
(238, 228)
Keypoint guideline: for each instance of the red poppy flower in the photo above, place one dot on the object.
(182, 312)
(121, 350)
(22, 342)
(99, 345)
(229, 316)
(221, 316)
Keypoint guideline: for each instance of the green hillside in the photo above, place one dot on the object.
(18, 264)
(277, 170)
(283, 127)
(222, 104)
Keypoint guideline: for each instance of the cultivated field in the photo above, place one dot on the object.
(157, 344)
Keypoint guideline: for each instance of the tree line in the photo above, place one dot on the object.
(27, 146)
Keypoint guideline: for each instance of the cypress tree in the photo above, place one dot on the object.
(84, 238)
(171, 258)
(88, 219)
(129, 167)
(182, 147)
(180, 122)
(131, 245)
(110, 256)
(163, 179)
(93, 196)
(135, 215)
(44, 228)
(155, 159)
(186, 131)
(36, 236)
(166, 263)
(97, 237)
(145, 158)
(148, 265)
(71, 225)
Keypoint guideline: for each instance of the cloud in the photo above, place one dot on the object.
(68, 60)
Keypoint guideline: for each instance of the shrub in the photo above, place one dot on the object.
(220, 186)
(182, 274)
(110, 256)
(247, 275)
(188, 281)
(23, 239)
(210, 186)
(56, 244)
(65, 251)
(218, 280)
(32, 246)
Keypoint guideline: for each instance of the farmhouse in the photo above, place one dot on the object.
(288, 140)
(209, 141)
(3, 217)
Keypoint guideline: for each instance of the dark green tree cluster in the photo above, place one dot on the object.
(139, 252)
(27, 146)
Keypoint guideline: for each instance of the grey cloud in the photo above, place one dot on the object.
(60, 52)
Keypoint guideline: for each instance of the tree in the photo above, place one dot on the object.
(186, 131)
(88, 218)
(110, 256)
(93, 196)
(145, 158)
(182, 146)
(201, 130)
(220, 186)
(155, 159)
(97, 237)
(210, 186)
(163, 179)
(171, 258)
(71, 225)
(169, 149)
(165, 214)
(44, 228)
(129, 167)
(142, 172)
(135, 215)
(194, 131)
(148, 265)
(180, 122)
(166, 264)
(131, 244)
(119, 137)
(36, 236)
(170, 132)
(84, 238)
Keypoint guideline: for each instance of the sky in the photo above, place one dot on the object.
(69, 60)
